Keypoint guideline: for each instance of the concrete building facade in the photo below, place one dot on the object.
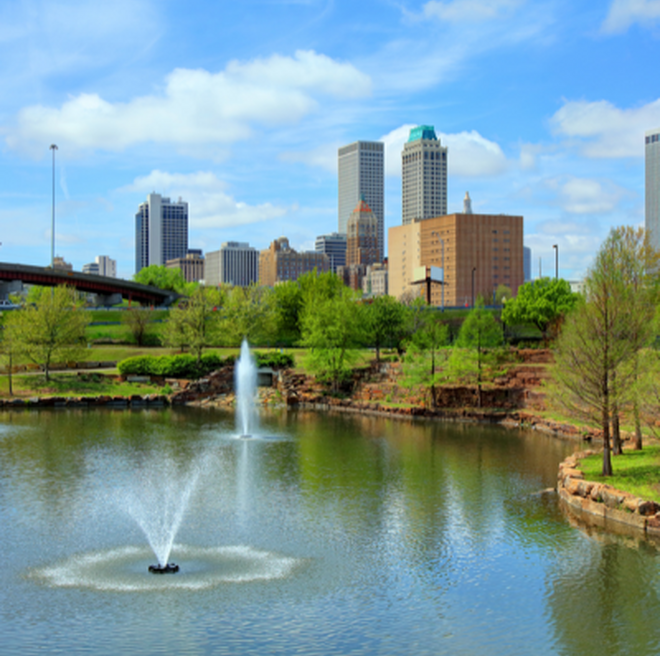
(423, 176)
(191, 265)
(375, 281)
(236, 263)
(652, 187)
(91, 268)
(107, 266)
(161, 231)
(334, 246)
(484, 248)
(279, 263)
(361, 174)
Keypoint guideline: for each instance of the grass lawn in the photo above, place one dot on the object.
(69, 384)
(637, 472)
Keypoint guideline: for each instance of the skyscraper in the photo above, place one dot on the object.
(652, 214)
(161, 231)
(424, 176)
(334, 246)
(361, 175)
(236, 263)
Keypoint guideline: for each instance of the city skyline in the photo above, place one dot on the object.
(240, 110)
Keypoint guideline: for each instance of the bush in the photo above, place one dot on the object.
(139, 365)
(182, 365)
(275, 360)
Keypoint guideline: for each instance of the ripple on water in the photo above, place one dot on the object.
(125, 569)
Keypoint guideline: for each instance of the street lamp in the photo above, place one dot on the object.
(473, 270)
(556, 247)
(442, 282)
(53, 147)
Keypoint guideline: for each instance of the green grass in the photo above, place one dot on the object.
(637, 472)
(73, 385)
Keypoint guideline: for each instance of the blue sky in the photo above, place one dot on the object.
(239, 108)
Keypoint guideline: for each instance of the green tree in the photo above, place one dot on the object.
(542, 303)
(503, 294)
(384, 320)
(8, 351)
(331, 331)
(137, 320)
(473, 349)
(595, 369)
(287, 304)
(194, 323)
(248, 315)
(164, 278)
(51, 330)
(425, 353)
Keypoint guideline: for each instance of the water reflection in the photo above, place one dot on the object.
(349, 534)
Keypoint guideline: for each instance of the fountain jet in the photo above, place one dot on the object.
(245, 375)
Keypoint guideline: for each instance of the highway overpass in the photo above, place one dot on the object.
(109, 290)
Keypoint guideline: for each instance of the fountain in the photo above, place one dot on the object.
(157, 502)
(245, 375)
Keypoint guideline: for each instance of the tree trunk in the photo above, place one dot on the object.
(637, 442)
(9, 374)
(617, 450)
(605, 423)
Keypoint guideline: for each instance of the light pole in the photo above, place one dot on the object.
(53, 147)
(442, 282)
(473, 270)
(556, 247)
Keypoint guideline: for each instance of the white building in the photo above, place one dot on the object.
(91, 268)
(652, 215)
(360, 174)
(424, 176)
(236, 263)
(107, 266)
(161, 231)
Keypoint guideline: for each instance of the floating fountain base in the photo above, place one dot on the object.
(169, 568)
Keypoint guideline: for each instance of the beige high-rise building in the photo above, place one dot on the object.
(491, 245)
(423, 176)
(279, 262)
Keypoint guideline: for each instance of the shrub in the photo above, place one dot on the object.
(139, 365)
(182, 365)
(275, 359)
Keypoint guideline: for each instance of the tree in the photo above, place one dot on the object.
(384, 321)
(479, 335)
(425, 351)
(248, 315)
(137, 320)
(542, 303)
(193, 324)
(50, 330)
(287, 303)
(164, 278)
(8, 351)
(331, 331)
(596, 368)
(503, 293)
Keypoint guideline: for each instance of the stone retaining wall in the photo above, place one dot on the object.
(604, 503)
(134, 401)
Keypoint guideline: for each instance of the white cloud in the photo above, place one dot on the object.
(324, 156)
(603, 130)
(196, 107)
(623, 13)
(469, 10)
(585, 196)
(210, 205)
(469, 154)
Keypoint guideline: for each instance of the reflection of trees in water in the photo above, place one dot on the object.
(602, 597)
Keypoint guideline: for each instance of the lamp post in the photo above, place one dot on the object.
(473, 270)
(53, 147)
(442, 282)
(556, 247)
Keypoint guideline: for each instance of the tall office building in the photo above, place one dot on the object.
(161, 231)
(361, 175)
(107, 266)
(652, 215)
(527, 263)
(236, 263)
(334, 246)
(424, 176)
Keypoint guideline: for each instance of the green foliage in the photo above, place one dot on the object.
(287, 307)
(51, 330)
(248, 314)
(331, 331)
(137, 320)
(426, 354)
(194, 323)
(503, 294)
(275, 360)
(384, 320)
(164, 278)
(474, 350)
(542, 303)
(182, 365)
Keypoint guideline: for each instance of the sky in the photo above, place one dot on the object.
(239, 108)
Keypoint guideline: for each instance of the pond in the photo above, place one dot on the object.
(324, 534)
